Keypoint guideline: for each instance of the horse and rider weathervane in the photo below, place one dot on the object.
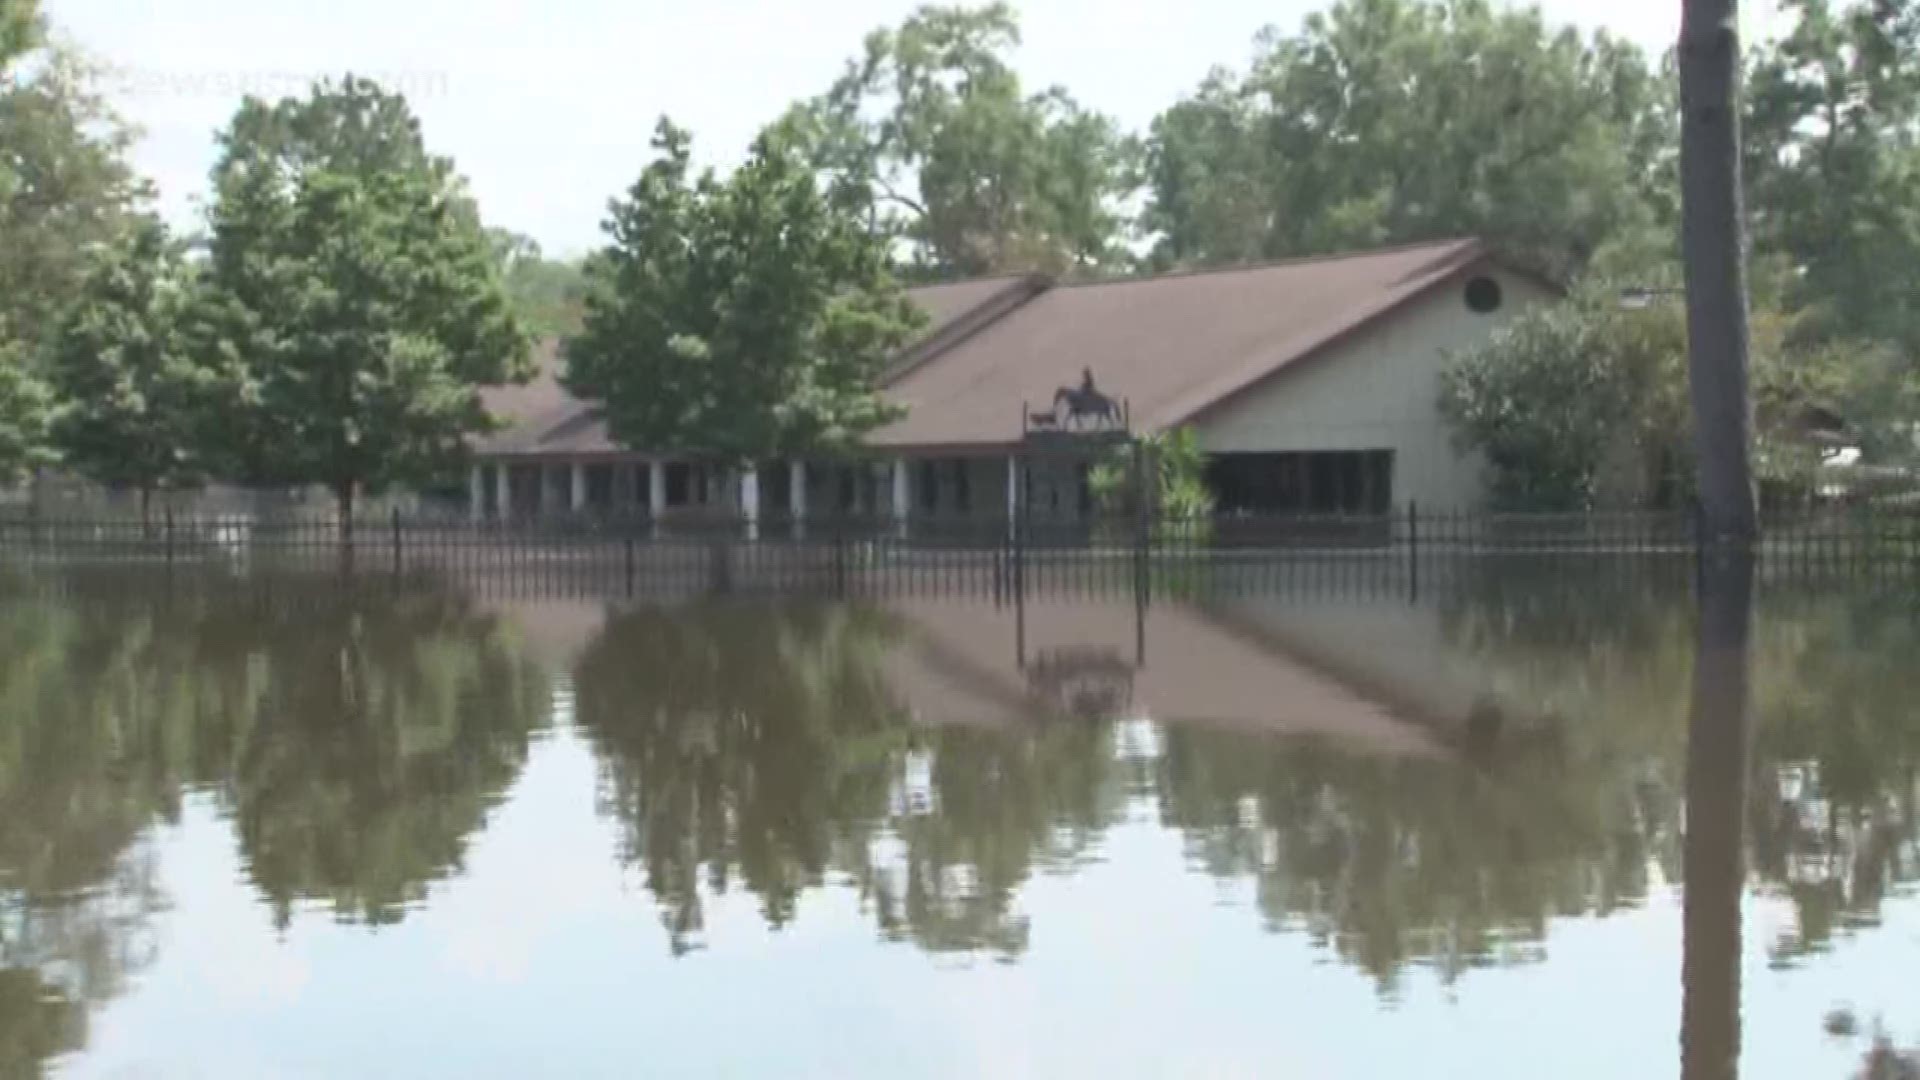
(1081, 410)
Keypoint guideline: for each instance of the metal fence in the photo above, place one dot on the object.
(849, 556)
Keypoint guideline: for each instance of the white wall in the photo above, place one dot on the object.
(1377, 391)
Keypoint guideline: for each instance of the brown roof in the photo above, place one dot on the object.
(541, 417)
(1171, 346)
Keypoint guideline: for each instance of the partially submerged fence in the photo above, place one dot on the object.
(639, 556)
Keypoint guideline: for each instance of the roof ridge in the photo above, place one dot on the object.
(1465, 244)
(1062, 282)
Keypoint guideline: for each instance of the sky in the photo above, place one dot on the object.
(547, 107)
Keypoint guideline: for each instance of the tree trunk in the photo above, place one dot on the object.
(343, 505)
(1714, 238)
(146, 511)
(1715, 842)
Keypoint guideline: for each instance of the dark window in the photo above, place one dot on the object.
(1484, 295)
(962, 486)
(679, 483)
(600, 486)
(1330, 482)
(847, 493)
(929, 485)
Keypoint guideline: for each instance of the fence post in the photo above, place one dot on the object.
(395, 517)
(1413, 549)
(629, 547)
(169, 537)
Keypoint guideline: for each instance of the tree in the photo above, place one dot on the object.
(138, 401)
(1714, 244)
(1390, 121)
(353, 283)
(65, 186)
(548, 295)
(1832, 159)
(976, 175)
(743, 318)
(20, 29)
(24, 411)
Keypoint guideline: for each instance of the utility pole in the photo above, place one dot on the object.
(1714, 243)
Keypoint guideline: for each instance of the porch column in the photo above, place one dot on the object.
(579, 500)
(503, 490)
(1013, 491)
(477, 492)
(750, 501)
(656, 487)
(797, 496)
(902, 496)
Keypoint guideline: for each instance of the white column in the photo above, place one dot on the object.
(579, 500)
(902, 495)
(1013, 490)
(750, 502)
(797, 496)
(477, 492)
(503, 490)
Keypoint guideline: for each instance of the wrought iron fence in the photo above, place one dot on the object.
(849, 556)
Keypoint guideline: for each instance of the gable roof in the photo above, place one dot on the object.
(1172, 346)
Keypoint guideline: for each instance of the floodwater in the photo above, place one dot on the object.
(295, 829)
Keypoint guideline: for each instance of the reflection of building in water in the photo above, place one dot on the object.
(956, 665)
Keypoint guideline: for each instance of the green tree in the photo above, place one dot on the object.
(742, 318)
(1584, 404)
(975, 174)
(548, 295)
(20, 29)
(353, 283)
(138, 405)
(1389, 121)
(25, 409)
(1832, 159)
(65, 185)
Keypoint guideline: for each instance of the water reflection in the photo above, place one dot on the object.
(354, 741)
(1427, 790)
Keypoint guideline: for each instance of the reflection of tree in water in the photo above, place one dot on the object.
(1394, 861)
(356, 738)
(761, 746)
(1835, 807)
(1836, 741)
(367, 743)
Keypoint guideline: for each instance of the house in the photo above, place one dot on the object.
(1312, 385)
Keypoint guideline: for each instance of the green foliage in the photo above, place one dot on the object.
(1833, 164)
(741, 318)
(25, 410)
(1179, 466)
(65, 186)
(352, 283)
(20, 29)
(1583, 405)
(1549, 396)
(1387, 121)
(139, 407)
(548, 295)
(974, 173)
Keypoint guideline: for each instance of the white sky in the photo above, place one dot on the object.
(547, 106)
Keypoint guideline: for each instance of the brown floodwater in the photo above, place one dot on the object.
(1539, 821)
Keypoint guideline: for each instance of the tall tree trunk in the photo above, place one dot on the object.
(1714, 237)
(1715, 843)
(343, 505)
